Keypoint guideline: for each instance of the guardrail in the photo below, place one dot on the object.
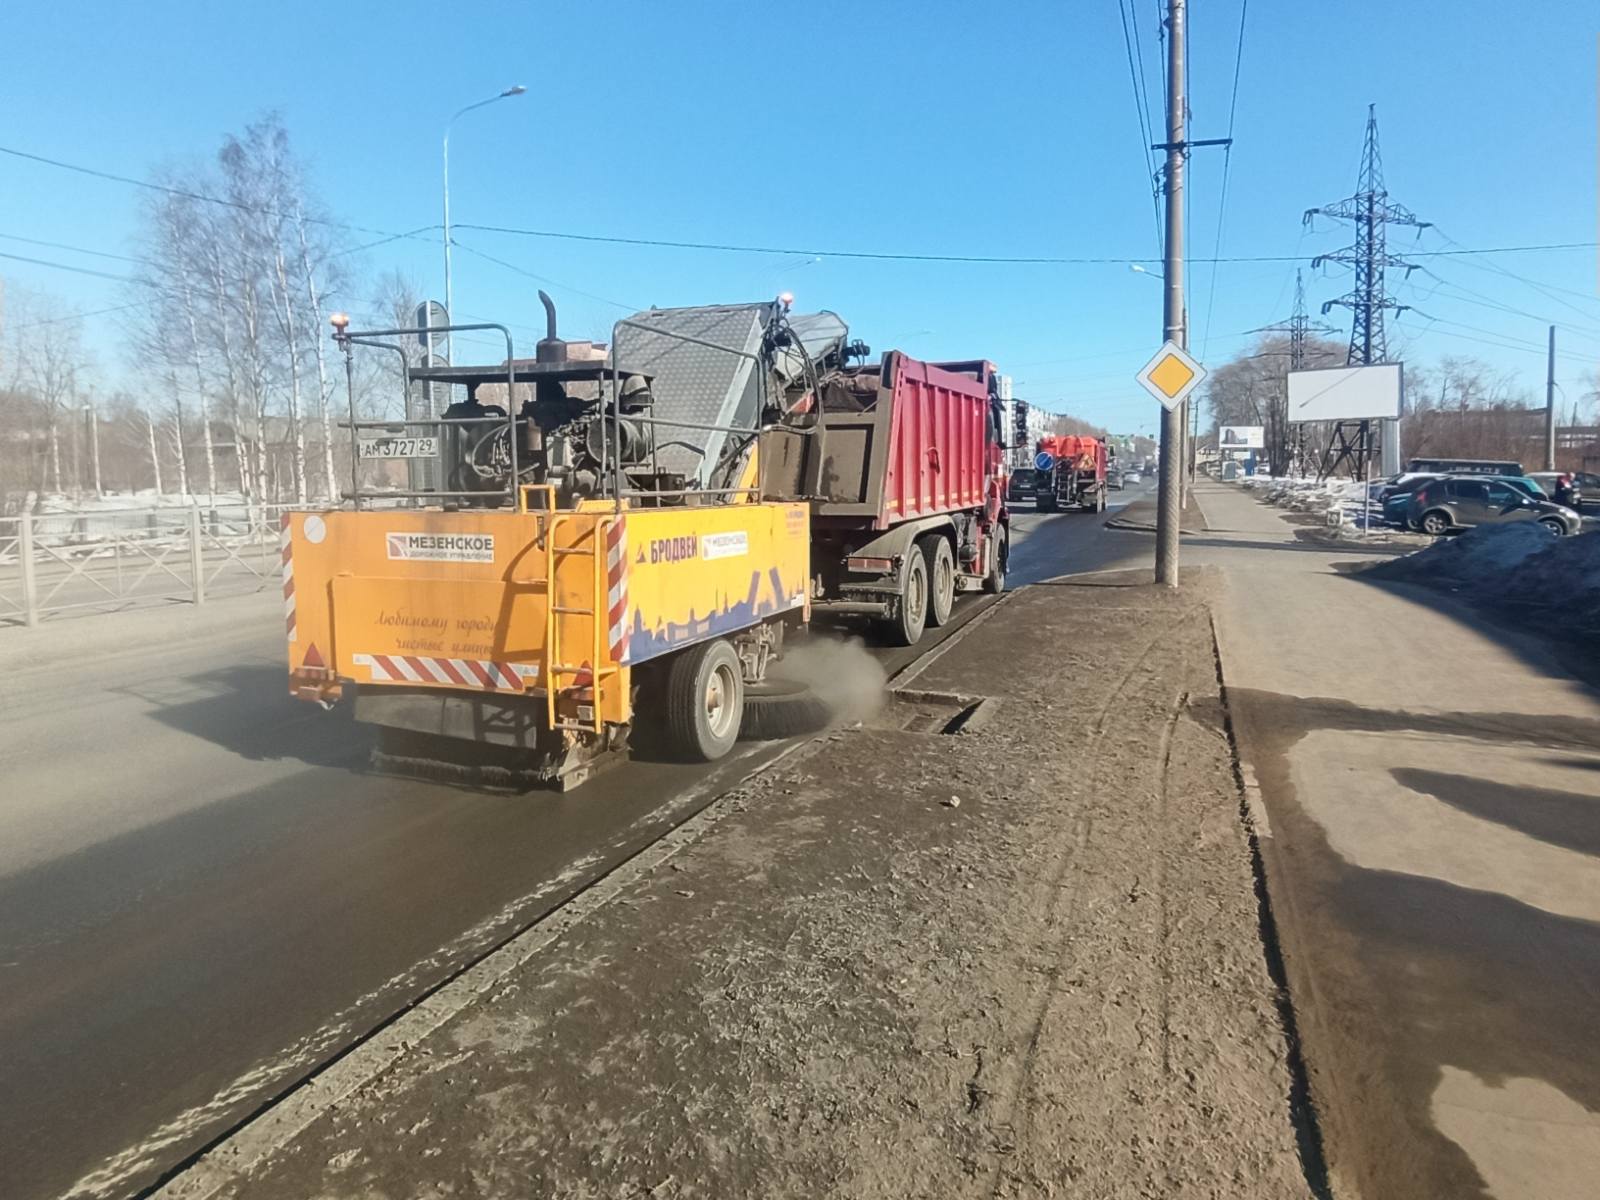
(59, 564)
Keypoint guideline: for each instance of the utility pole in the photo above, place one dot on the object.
(1192, 457)
(1550, 405)
(1168, 495)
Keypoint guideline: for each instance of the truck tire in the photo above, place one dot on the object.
(1045, 502)
(994, 580)
(703, 702)
(941, 563)
(911, 613)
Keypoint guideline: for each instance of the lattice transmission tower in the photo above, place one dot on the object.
(1282, 445)
(1371, 211)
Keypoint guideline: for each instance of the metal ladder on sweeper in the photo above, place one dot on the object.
(594, 673)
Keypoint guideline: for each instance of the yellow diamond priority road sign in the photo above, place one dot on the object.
(1171, 375)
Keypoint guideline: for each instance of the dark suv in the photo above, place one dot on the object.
(1441, 505)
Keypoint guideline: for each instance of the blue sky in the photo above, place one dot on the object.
(945, 128)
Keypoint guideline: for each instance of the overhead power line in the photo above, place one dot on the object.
(77, 316)
(1141, 109)
(556, 283)
(993, 259)
(1447, 289)
(1227, 163)
(1501, 341)
(1546, 290)
(388, 235)
(202, 197)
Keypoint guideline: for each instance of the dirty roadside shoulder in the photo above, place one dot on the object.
(1024, 957)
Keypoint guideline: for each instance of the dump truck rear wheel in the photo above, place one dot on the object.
(941, 563)
(994, 581)
(911, 613)
(704, 701)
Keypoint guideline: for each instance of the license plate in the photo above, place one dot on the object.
(400, 447)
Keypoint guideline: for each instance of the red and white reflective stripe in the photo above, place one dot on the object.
(453, 672)
(617, 588)
(288, 578)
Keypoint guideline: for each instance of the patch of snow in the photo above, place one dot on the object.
(1486, 554)
(1566, 573)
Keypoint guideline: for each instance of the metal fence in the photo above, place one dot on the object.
(61, 564)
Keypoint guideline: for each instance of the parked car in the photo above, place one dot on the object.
(1132, 478)
(1547, 480)
(1459, 502)
(1114, 479)
(1397, 504)
(1588, 485)
(1523, 483)
(1463, 466)
(1396, 496)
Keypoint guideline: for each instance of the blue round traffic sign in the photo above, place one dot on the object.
(1044, 460)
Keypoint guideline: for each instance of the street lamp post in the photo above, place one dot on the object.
(94, 444)
(514, 90)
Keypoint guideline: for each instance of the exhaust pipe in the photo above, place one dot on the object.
(550, 348)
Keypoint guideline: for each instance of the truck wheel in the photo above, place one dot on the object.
(1045, 502)
(911, 616)
(704, 701)
(994, 581)
(941, 563)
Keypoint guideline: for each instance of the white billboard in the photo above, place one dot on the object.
(1346, 393)
(1242, 437)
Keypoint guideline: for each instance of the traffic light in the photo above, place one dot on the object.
(1019, 423)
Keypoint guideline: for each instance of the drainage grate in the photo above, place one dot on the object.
(913, 711)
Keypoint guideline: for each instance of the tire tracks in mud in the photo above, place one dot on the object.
(1019, 1108)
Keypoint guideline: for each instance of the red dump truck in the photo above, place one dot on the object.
(1070, 471)
(904, 468)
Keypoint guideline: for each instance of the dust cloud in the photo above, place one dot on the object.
(841, 673)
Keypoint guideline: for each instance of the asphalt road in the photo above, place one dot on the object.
(204, 895)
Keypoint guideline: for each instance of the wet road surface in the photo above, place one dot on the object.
(204, 895)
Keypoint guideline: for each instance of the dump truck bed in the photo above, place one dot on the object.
(907, 440)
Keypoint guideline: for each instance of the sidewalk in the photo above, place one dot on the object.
(1018, 960)
(1432, 821)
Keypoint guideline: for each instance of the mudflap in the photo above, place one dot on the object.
(480, 766)
(483, 742)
